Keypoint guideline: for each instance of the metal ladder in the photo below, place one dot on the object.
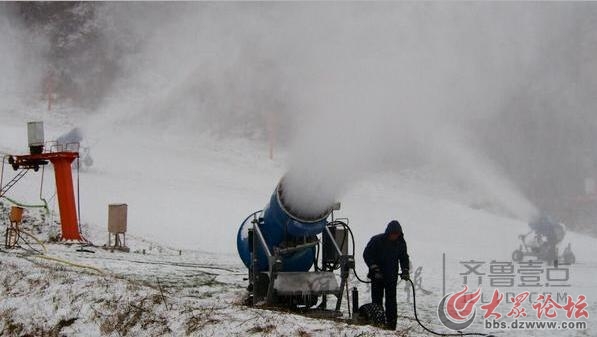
(12, 182)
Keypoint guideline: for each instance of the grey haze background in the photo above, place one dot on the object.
(496, 98)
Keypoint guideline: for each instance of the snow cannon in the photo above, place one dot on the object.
(292, 255)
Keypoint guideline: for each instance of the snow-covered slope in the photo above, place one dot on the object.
(189, 193)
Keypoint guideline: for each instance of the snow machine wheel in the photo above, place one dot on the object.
(569, 258)
(373, 314)
(517, 255)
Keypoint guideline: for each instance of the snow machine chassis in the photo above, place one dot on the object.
(299, 292)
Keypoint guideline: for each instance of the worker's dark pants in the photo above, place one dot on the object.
(378, 287)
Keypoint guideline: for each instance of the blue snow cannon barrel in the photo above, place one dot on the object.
(281, 223)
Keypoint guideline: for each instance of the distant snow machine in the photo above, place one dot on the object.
(541, 242)
(70, 142)
(86, 160)
(70, 139)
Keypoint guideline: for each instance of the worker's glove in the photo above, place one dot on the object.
(375, 273)
(405, 275)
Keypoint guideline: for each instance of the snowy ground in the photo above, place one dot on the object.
(159, 292)
(186, 197)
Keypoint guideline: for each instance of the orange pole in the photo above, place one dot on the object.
(66, 195)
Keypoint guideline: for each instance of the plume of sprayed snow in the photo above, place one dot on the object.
(398, 86)
(353, 88)
(478, 176)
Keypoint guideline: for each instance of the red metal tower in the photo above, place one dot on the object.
(64, 186)
(61, 160)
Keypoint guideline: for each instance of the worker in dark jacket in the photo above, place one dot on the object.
(382, 255)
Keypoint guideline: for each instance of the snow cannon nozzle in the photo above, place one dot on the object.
(298, 214)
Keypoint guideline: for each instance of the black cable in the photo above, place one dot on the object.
(20, 237)
(85, 241)
(358, 278)
(434, 332)
(353, 250)
(79, 201)
(36, 251)
(316, 257)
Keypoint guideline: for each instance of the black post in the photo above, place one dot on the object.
(355, 300)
